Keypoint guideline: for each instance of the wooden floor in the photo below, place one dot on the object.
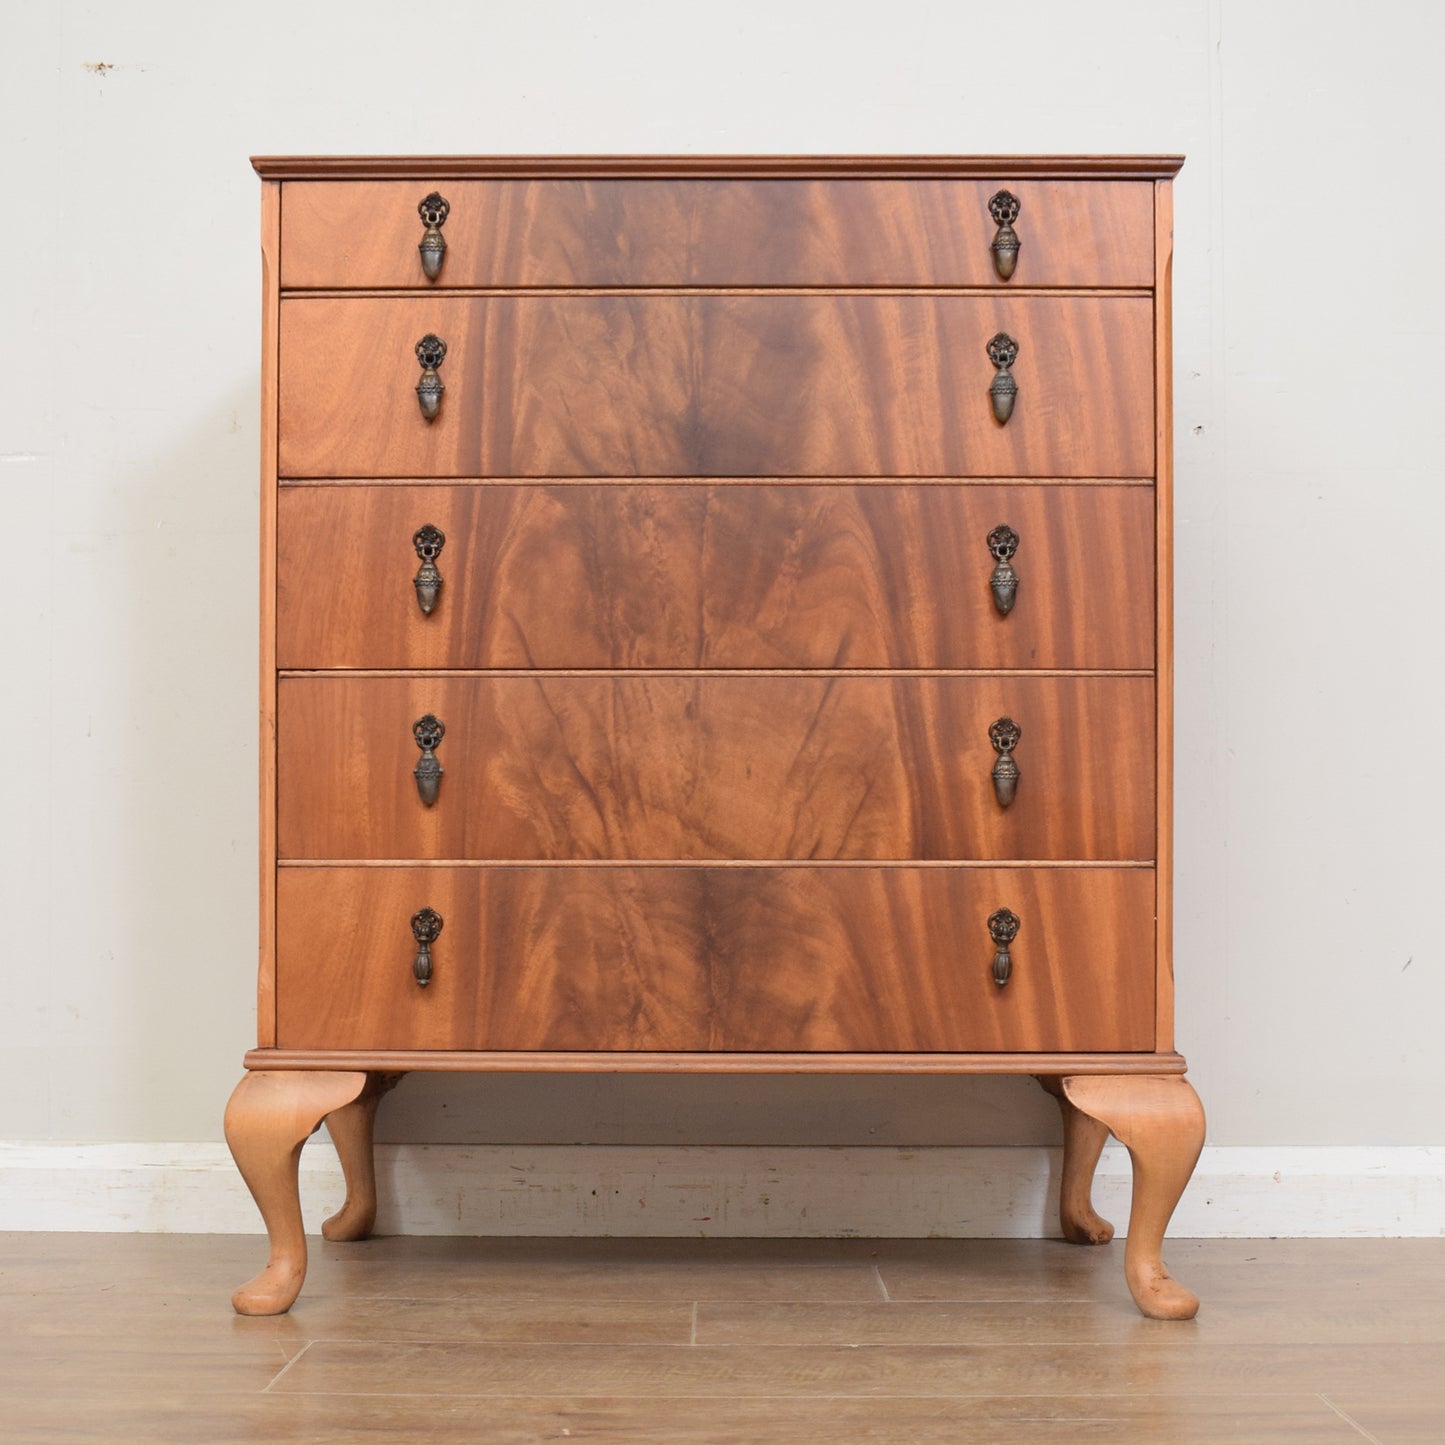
(131, 1338)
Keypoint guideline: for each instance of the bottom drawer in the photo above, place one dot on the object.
(805, 959)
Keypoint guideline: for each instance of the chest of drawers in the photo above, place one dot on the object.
(716, 617)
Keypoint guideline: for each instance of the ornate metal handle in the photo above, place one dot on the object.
(434, 210)
(1005, 735)
(428, 541)
(1003, 351)
(1004, 207)
(431, 351)
(1003, 928)
(1003, 542)
(425, 926)
(428, 732)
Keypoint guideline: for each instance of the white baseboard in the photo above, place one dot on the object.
(986, 1193)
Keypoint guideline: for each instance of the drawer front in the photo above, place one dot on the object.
(716, 385)
(715, 576)
(523, 233)
(716, 767)
(807, 959)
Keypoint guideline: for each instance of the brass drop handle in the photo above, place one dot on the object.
(1004, 207)
(425, 926)
(428, 541)
(433, 210)
(1005, 735)
(1003, 351)
(431, 351)
(428, 731)
(1003, 928)
(1003, 542)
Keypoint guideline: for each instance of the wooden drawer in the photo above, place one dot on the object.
(523, 233)
(715, 576)
(701, 767)
(716, 959)
(716, 385)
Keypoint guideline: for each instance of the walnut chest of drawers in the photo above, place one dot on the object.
(716, 616)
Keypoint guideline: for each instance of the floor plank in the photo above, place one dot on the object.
(130, 1337)
(342, 1420)
(1175, 1366)
(1416, 1319)
(1416, 1418)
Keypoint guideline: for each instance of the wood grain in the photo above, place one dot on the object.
(705, 232)
(1161, 1123)
(716, 576)
(352, 1129)
(781, 767)
(120, 1337)
(716, 959)
(268, 1120)
(266, 749)
(432, 167)
(717, 385)
(1084, 1140)
(640, 1061)
(1164, 603)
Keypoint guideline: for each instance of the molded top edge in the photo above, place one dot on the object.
(328, 168)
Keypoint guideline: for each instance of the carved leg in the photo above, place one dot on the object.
(1084, 1140)
(270, 1116)
(351, 1128)
(1161, 1122)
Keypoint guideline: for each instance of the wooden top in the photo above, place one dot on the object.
(323, 168)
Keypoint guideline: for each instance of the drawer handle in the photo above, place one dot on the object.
(1004, 207)
(425, 926)
(428, 732)
(434, 210)
(1003, 928)
(428, 541)
(431, 351)
(1003, 542)
(1005, 735)
(1003, 351)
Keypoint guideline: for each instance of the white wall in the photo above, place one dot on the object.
(1310, 438)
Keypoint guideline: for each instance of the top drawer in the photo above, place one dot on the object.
(554, 232)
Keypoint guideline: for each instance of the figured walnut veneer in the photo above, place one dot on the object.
(719, 385)
(723, 959)
(696, 767)
(864, 575)
(607, 232)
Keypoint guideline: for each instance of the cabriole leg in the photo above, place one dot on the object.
(272, 1113)
(1084, 1139)
(352, 1128)
(1160, 1120)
